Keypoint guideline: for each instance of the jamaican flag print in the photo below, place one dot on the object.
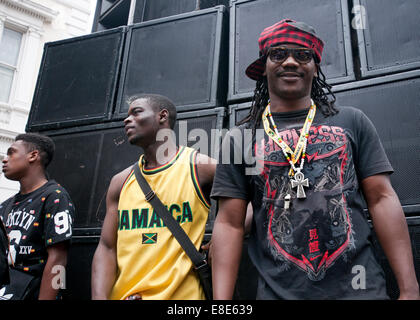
(149, 238)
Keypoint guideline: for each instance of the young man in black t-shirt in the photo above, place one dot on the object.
(38, 219)
(304, 170)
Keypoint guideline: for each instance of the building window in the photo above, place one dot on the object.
(10, 46)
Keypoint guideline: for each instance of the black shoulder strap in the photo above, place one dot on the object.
(196, 257)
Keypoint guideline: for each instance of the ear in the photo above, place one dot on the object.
(163, 116)
(316, 74)
(33, 156)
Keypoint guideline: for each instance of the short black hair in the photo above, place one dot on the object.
(45, 145)
(159, 102)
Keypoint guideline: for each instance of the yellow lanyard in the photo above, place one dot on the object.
(300, 146)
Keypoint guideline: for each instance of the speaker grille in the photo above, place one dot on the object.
(394, 109)
(180, 57)
(390, 46)
(77, 81)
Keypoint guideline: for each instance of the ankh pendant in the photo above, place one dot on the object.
(300, 182)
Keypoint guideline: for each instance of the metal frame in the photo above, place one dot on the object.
(376, 81)
(220, 113)
(216, 90)
(232, 112)
(236, 97)
(82, 119)
(364, 41)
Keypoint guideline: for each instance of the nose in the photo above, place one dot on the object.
(290, 61)
(127, 120)
(5, 159)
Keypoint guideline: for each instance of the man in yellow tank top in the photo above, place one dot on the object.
(137, 256)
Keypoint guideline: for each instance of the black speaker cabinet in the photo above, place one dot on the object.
(183, 57)
(85, 160)
(238, 112)
(87, 157)
(393, 104)
(79, 268)
(388, 35)
(111, 14)
(200, 129)
(147, 10)
(248, 18)
(77, 81)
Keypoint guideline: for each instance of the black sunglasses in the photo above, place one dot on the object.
(280, 54)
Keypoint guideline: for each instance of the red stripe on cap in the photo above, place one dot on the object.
(274, 26)
(283, 32)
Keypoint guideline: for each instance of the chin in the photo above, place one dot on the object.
(135, 140)
(11, 176)
(293, 94)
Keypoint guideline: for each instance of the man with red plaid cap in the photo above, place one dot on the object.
(312, 162)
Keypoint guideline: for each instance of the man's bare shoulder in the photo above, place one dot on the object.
(203, 159)
(206, 167)
(118, 180)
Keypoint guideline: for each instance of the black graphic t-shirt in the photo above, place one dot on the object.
(320, 247)
(37, 220)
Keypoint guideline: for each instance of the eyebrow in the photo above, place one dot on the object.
(11, 148)
(134, 109)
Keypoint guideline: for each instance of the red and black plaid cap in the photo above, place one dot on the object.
(285, 31)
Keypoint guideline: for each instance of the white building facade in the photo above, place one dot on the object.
(25, 25)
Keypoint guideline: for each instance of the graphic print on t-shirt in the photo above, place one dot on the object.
(315, 231)
(37, 220)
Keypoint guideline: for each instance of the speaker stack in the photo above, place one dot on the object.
(195, 52)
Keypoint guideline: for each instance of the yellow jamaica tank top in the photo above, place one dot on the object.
(150, 260)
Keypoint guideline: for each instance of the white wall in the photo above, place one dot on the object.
(40, 21)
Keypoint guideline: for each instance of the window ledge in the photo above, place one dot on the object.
(32, 8)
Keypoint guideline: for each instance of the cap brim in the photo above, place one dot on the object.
(256, 69)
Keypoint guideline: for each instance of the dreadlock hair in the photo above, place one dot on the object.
(319, 93)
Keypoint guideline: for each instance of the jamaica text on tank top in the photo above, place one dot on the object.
(150, 260)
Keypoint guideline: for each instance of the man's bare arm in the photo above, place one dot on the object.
(227, 240)
(392, 231)
(104, 264)
(57, 256)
